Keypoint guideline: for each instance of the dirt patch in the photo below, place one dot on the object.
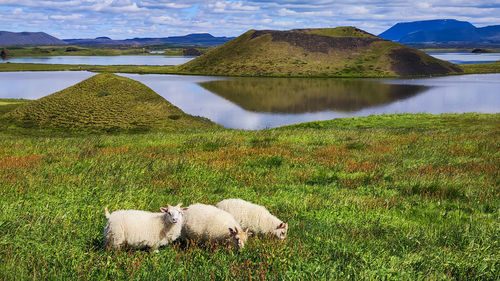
(316, 42)
(408, 62)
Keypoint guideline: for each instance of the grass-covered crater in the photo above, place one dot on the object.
(103, 103)
(330, 52)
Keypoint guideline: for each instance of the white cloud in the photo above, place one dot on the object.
(66, 17)
(165, 20)
(150, 18)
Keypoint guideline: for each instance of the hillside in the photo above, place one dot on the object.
(443, 32)
(28, 38)
(301, 95)
(334, 52)
(103, 103)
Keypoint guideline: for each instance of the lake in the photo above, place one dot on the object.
(258, 103)
(466, 58)
(103, 60)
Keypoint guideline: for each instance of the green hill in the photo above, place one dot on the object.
(103, 103)
(335, 52)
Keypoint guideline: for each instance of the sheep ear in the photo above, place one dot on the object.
(185, 209)
(281, 225)
(163, 210)
(232, 231)
(178, 205)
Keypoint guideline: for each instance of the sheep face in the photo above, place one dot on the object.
(174, 214)
(238, 237)
(281, 230)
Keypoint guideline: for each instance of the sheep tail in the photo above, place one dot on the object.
(106, 212)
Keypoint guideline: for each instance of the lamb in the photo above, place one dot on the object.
(140, 229)
(207, 223)
(254, 217)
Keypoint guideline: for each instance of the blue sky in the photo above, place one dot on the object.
(120, 19)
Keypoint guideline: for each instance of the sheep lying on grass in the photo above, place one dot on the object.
(140, 229)
(254, 217)
(208, 223)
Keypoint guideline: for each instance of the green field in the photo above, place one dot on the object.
(385, 197)
(88, 51)
(481, 68)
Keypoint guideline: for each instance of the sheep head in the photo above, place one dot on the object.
(238, 237)
(281, 230)
(173, 214)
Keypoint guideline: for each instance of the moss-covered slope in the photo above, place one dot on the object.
(104, 102)
(339, 52)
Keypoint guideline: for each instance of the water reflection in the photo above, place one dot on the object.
(257, 103)
(300, 95)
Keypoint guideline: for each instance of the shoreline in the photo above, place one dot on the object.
(480, 68)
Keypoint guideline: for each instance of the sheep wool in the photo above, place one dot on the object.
(208, 223)
(254, 217)
(140, 229)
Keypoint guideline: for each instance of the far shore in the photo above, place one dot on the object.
(480, 68)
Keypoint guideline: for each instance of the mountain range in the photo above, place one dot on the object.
(8, 38)
(194, 39)
(40, 38)
(443, 32)
(439, 32)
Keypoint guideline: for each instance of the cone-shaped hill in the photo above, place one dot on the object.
(336, 52)
(104, 103)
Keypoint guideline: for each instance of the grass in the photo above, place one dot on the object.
(482, 68)
(383, 197)
(344, 31)
(7, 105)
(104, 102)
(140, 69)
(87, 51)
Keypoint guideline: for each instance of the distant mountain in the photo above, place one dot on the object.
(28, 38)
(443, 33)
(402, 29)
(195, 39)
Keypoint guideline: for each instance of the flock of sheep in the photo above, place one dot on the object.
(232, 220)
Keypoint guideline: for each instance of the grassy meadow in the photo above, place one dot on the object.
(88, 51)
(384, 197)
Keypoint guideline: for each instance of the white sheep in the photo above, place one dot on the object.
(254, 217)
(208, 223)
(140, 229)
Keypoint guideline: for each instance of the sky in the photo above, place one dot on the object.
(121, 19)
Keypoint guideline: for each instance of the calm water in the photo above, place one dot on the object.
(257, 103)
(466, 58)
(37, 84)
(104, 60)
